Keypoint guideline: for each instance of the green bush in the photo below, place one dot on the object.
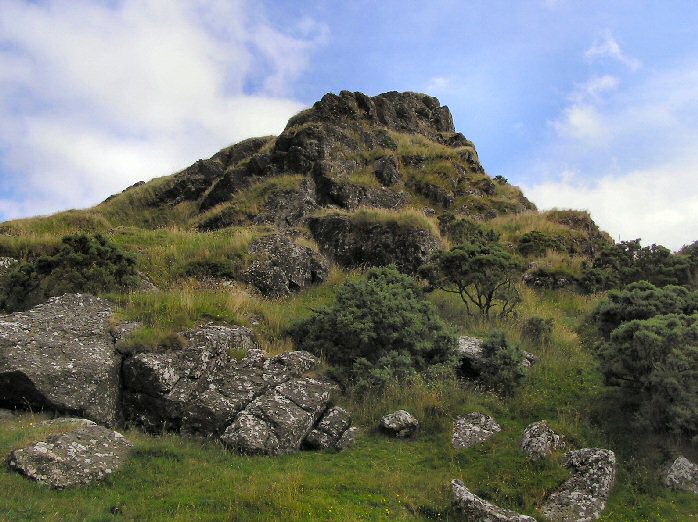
(500, 367)
(537, 243)
(642, 301)
(655, 362)
(550, 278)
(379, 328)
(216, 268)
(464, 230)
(88, 264)
(537, 330)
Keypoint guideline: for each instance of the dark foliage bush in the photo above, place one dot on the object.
(88, 264)
(655, 362)
(379, 328)
(500, 367)
(217, 268)
(482, 274)
(550, 278)
(537, 330)
(464, 230)
(537, 243)
(628, 262)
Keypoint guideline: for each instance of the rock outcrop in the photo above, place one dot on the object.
(400, 424)
(281, 266)
(79, 457)
(60, 356)
(354, 241)
(539, 440)
(473, 428)
(5, 264)
(472, 507)
(583, 496)
(682, 475)
(223, 386)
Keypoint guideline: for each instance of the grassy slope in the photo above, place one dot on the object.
(174, 478)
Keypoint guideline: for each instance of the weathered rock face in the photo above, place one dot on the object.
(281, 266)
(351, 242)
(223, 386)
(682, 475)
(328, 433)
(474, 508)
(85, 455)
(5, 264)
(400, 424)
(60, 356)
(470, 353)
(583, 496)
(539, 440)
(473, 428)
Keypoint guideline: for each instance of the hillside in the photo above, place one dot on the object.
(266, 234)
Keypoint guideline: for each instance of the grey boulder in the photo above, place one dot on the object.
(470, 353)
(583, 496)
(80, 457)
(473, 428)
(539, 440)
(475, 508)
(400, 424)
(281, 266)
(328, 433)
(60, 356)
(682, 475)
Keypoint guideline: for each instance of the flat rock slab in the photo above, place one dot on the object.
(682, 475)
(583, 496)
(400, 424)
(539, 440)
(60, 356)
(475, 508)
(473, 428)
(80, 457)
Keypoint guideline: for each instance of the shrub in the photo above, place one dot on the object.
(501, 364)
(550, 278)
(216, 268)
(482, 274)
(639, 301)
(464, 230)
(537, 243)
(83, 263)
(655, 362)
(537, 330)
(379, 327)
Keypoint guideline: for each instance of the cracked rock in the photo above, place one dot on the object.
(475, 508)
(682, 475)
(400, 424)
(539, 440)
(473, 428)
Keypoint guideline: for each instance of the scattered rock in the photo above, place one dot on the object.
(348, 439)
(583, 496)
(60, 356)
(470, 352)
(539, 440)
(353, 242)
(69, 421)
(473, 428)
(474, 508)
(80, 457)
(281, 266)
(682, 475)
(400, 424)
(329, 431)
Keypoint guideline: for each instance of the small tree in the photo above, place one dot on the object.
(482, 274)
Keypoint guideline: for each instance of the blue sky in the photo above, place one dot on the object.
(585, 104)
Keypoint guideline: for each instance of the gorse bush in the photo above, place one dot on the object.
(649, 349)
(537, 243)
(537, 330)
(82, 263)
(501, 365)
(379, 328)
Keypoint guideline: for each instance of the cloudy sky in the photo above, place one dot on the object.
(585, 104)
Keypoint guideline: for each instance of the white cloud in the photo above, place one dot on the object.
(438, 84)
(659, 204)
(95, 96)
(607, 47)
(581, 122)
